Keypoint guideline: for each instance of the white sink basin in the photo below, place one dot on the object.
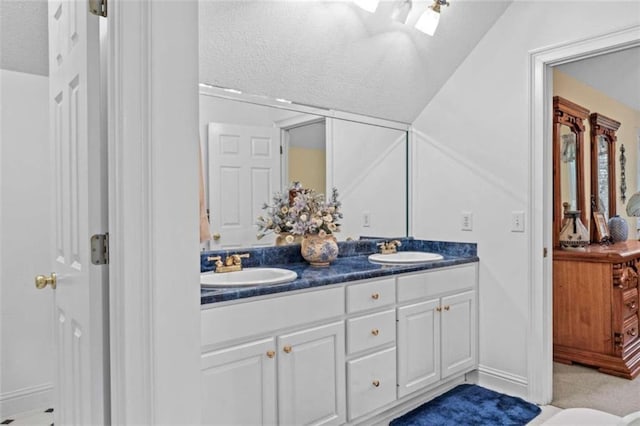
(404, 258)
(247, 277)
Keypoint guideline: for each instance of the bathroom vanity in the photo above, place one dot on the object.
(354, 343)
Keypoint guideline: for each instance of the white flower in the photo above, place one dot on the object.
(322, 233)
(303, 217)
(289, 239)
(328, 218)
(332, 227)
(284, 209)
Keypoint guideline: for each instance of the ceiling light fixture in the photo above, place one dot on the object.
(368, 5)
(429, 20)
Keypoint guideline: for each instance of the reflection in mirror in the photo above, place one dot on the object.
(568, 168)
(568, 159)
(603, 165)
(603, 175)
(254, 150)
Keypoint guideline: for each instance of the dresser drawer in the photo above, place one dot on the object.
(629, 332)
(371, 295)
(371, 382)
(629, 302)
(370, 331)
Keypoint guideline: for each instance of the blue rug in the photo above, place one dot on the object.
(470, 405)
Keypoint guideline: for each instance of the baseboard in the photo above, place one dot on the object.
(26, 399)
(500, 381)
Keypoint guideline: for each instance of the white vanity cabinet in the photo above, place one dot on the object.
(288, 377)
(350, 352)
(437, 324)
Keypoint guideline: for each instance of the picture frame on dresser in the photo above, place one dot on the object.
(602, 234)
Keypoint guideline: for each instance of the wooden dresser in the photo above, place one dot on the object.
(595, 308)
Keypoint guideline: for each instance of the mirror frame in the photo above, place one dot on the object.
(567, 113)
(607, 127)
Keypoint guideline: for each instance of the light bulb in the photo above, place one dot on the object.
(368, 5)
(428, 22)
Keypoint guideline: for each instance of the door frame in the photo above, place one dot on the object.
(540, 326)
(154, 291)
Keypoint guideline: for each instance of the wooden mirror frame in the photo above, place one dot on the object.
(567, 113)
(605, 126)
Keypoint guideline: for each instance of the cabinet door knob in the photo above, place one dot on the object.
(375, 331)
(376, 383)
(446, 308)
(287, 349)
(271, 354)
(439, 309)
(631, 305)
(375, 296)
(632, 332)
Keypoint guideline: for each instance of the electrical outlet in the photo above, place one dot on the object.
(366, 219)
(517, 221)
(467, 221)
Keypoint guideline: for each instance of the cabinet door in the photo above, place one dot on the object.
(458, 333)
(311, 376)
(418, 346)
(239, 385)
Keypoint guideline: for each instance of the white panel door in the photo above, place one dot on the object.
(458, 333)
(78, 141)
(418, 346)
(239, 385)
(244, 172)
(311, 376)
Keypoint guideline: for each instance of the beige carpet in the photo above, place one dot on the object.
(578, 386)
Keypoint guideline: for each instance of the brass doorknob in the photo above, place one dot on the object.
(216, 236)
(287, 349)
(42, 281)
(375, 331)
(447, 307)
(375, 296)
(376, 383)
(271, 354)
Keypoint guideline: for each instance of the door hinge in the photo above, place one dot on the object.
(281, 151)
(98, 7)
(544, 252)
(100, 249)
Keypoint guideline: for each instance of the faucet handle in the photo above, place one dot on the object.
(213, 258)
(237, 258)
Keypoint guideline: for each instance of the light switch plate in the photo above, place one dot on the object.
(467, 221)
(366, 219)
(517, 221)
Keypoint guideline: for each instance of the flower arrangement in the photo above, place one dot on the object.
(300, 211)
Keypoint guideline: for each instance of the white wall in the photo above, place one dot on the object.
(26, 367)
(369, 170)
(472, 154)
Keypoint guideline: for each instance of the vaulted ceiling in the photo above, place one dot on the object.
(335, 55)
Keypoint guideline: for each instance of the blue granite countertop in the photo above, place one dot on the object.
(351, 265)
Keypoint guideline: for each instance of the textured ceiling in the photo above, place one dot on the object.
(616, 74)
(335, 55)
(24, 36)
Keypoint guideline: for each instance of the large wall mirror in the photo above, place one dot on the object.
(603, 164)
(568, 161)
(253, 148)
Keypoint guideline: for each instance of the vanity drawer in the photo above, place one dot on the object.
(630, 331)
(371, 295)
(435, 282)
(371, 382)
(370, 331)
